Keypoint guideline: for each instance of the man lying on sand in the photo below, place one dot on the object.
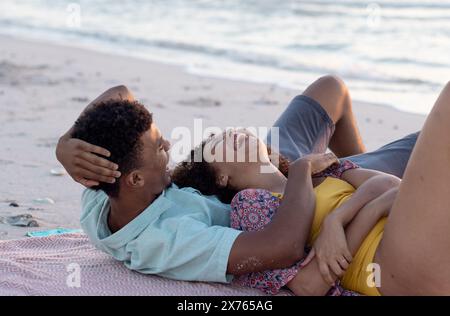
(155, 227)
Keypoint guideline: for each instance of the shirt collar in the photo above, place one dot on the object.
(137, 225)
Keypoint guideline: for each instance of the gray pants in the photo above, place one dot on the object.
(305, 127)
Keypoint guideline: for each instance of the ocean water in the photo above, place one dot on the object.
(390, 52)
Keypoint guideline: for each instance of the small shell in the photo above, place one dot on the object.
(58, 171)
(44, 201)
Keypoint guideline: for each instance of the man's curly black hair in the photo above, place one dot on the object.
(116, 125)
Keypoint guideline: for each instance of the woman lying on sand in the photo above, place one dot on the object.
(364, 220)
(346, 196)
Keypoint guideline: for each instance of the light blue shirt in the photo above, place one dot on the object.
(182, 235)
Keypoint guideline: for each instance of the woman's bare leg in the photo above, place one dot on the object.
(414, 255)
(333, 95)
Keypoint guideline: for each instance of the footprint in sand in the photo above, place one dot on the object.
(80, 99)
(201, 102)
(202, 116)
(70, 80)
(265, 101)
(15, 75)
(47, 142)
(41, 80)
(202, 87)
(112, 82)
(32, 119)
(28, 165)
(39, 109)
(8, 201)
(6, 66)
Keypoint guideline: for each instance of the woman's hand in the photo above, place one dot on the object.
(331, 250)
(319, 162)
(83, 164)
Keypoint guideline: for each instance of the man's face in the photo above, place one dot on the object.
(155, 159)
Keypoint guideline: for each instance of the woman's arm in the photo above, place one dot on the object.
(369, 185)
(360, 227)
(331, 248)
(309, 280)
(80, 158)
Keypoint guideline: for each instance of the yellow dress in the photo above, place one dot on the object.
(330, 194)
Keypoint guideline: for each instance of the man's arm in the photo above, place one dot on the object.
(80, 158)
(116, 93)
(281, 243)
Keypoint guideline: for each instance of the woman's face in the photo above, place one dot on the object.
(236, 155)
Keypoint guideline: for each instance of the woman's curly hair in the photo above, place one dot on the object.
(203, 177)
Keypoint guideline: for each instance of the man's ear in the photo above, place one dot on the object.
(135, 179)
(222, 180)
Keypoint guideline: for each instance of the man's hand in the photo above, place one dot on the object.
(83, 164)
(318, 162)
(331, 250)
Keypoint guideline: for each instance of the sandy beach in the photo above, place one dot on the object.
(44, 87)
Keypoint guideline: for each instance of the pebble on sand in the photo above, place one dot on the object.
(22, 220)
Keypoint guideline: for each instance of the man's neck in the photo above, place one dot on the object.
(127, 207)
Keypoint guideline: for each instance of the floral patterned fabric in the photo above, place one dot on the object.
(337, 170)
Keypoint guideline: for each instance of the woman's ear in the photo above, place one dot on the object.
(134, 180)
(222, 180)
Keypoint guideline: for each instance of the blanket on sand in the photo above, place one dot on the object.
(69, 265)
